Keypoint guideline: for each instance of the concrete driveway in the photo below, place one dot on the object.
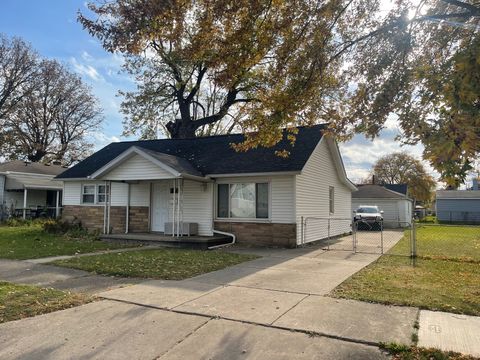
(270, 308)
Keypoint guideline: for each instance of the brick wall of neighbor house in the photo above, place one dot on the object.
(138, 221)
(270, 234)
(91, 217)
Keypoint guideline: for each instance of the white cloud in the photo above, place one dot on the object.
(101, 139)
(86, 70)
(360, 154)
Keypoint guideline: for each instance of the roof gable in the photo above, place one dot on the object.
(210, 155)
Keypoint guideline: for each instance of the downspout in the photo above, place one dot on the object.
(127, 209)
(218, 231)
(173, 213)
(109, 205)
(105, 212)
(222, 245)
(178, 208)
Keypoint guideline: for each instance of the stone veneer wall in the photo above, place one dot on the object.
(270, 234)
(91, 217)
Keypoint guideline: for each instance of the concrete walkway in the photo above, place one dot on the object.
(273, 307)
(24, 272)
(49, 259)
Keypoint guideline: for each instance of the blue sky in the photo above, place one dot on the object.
(52, 29)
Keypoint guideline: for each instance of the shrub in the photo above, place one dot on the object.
(54, 226)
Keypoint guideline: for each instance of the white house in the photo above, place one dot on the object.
(27, 189)
(397, 207)
(198, 186)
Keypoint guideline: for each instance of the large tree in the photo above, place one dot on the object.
(53, 120)
(423, 66)
(18, 69)
(401, 168)
(263, 64)
(271, 64)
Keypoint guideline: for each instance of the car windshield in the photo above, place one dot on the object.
(367, 210)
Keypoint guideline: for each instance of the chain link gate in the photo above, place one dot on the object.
(343, 234)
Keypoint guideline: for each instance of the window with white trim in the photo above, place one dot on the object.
(331, 199)
(88, 194)
(243, 200)
(102, 193)
(95, 193)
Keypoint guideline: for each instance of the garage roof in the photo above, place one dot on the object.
(370, 191)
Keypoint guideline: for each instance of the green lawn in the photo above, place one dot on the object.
(168, 264)
(446, 275)
(449, 241)
(20, 301)
(30, 241)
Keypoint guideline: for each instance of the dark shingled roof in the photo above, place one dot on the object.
(31, 168)
(399, 188)
(370, 191)
(213, 154)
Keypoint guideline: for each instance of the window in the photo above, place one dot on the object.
(331, 198)
(102, 193)
(222, 200)
(247, 201)
(95, 193)
(88, 194)
(242, 201)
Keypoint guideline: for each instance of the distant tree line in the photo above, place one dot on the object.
(46, 112)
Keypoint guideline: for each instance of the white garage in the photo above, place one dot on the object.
(397, 207)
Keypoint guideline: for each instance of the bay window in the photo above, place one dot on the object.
(243, 200)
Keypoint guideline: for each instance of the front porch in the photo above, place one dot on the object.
(152, 238)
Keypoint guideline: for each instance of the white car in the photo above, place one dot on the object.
(368, 215)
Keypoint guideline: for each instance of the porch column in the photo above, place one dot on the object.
(57, 205)
(127, 209)
(25, 191)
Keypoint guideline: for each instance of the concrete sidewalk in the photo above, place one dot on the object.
(273, 307)
(113, 330)
(450, 332)
(24, 272)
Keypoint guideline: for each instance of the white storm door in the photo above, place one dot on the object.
(160, 206)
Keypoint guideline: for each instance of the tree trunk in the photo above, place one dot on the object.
(37, 156)
(181, 129)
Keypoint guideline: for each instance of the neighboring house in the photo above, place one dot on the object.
(397, 207)
(27, 189)
(458, 205)
(201, 185)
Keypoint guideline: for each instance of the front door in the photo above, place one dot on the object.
(160, 206)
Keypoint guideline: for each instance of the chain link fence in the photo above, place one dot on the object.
(408, 239)
(360, 236)
(447, 242)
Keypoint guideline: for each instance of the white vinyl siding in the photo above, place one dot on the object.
(312, 197)
(396, 212)
(198, 205)
(137, 168)
(139, 193)
(282, 197)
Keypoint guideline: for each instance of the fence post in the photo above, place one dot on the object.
(381, 236)
(328, 243)
(302, 239)
(413, 241)
(354, 237)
